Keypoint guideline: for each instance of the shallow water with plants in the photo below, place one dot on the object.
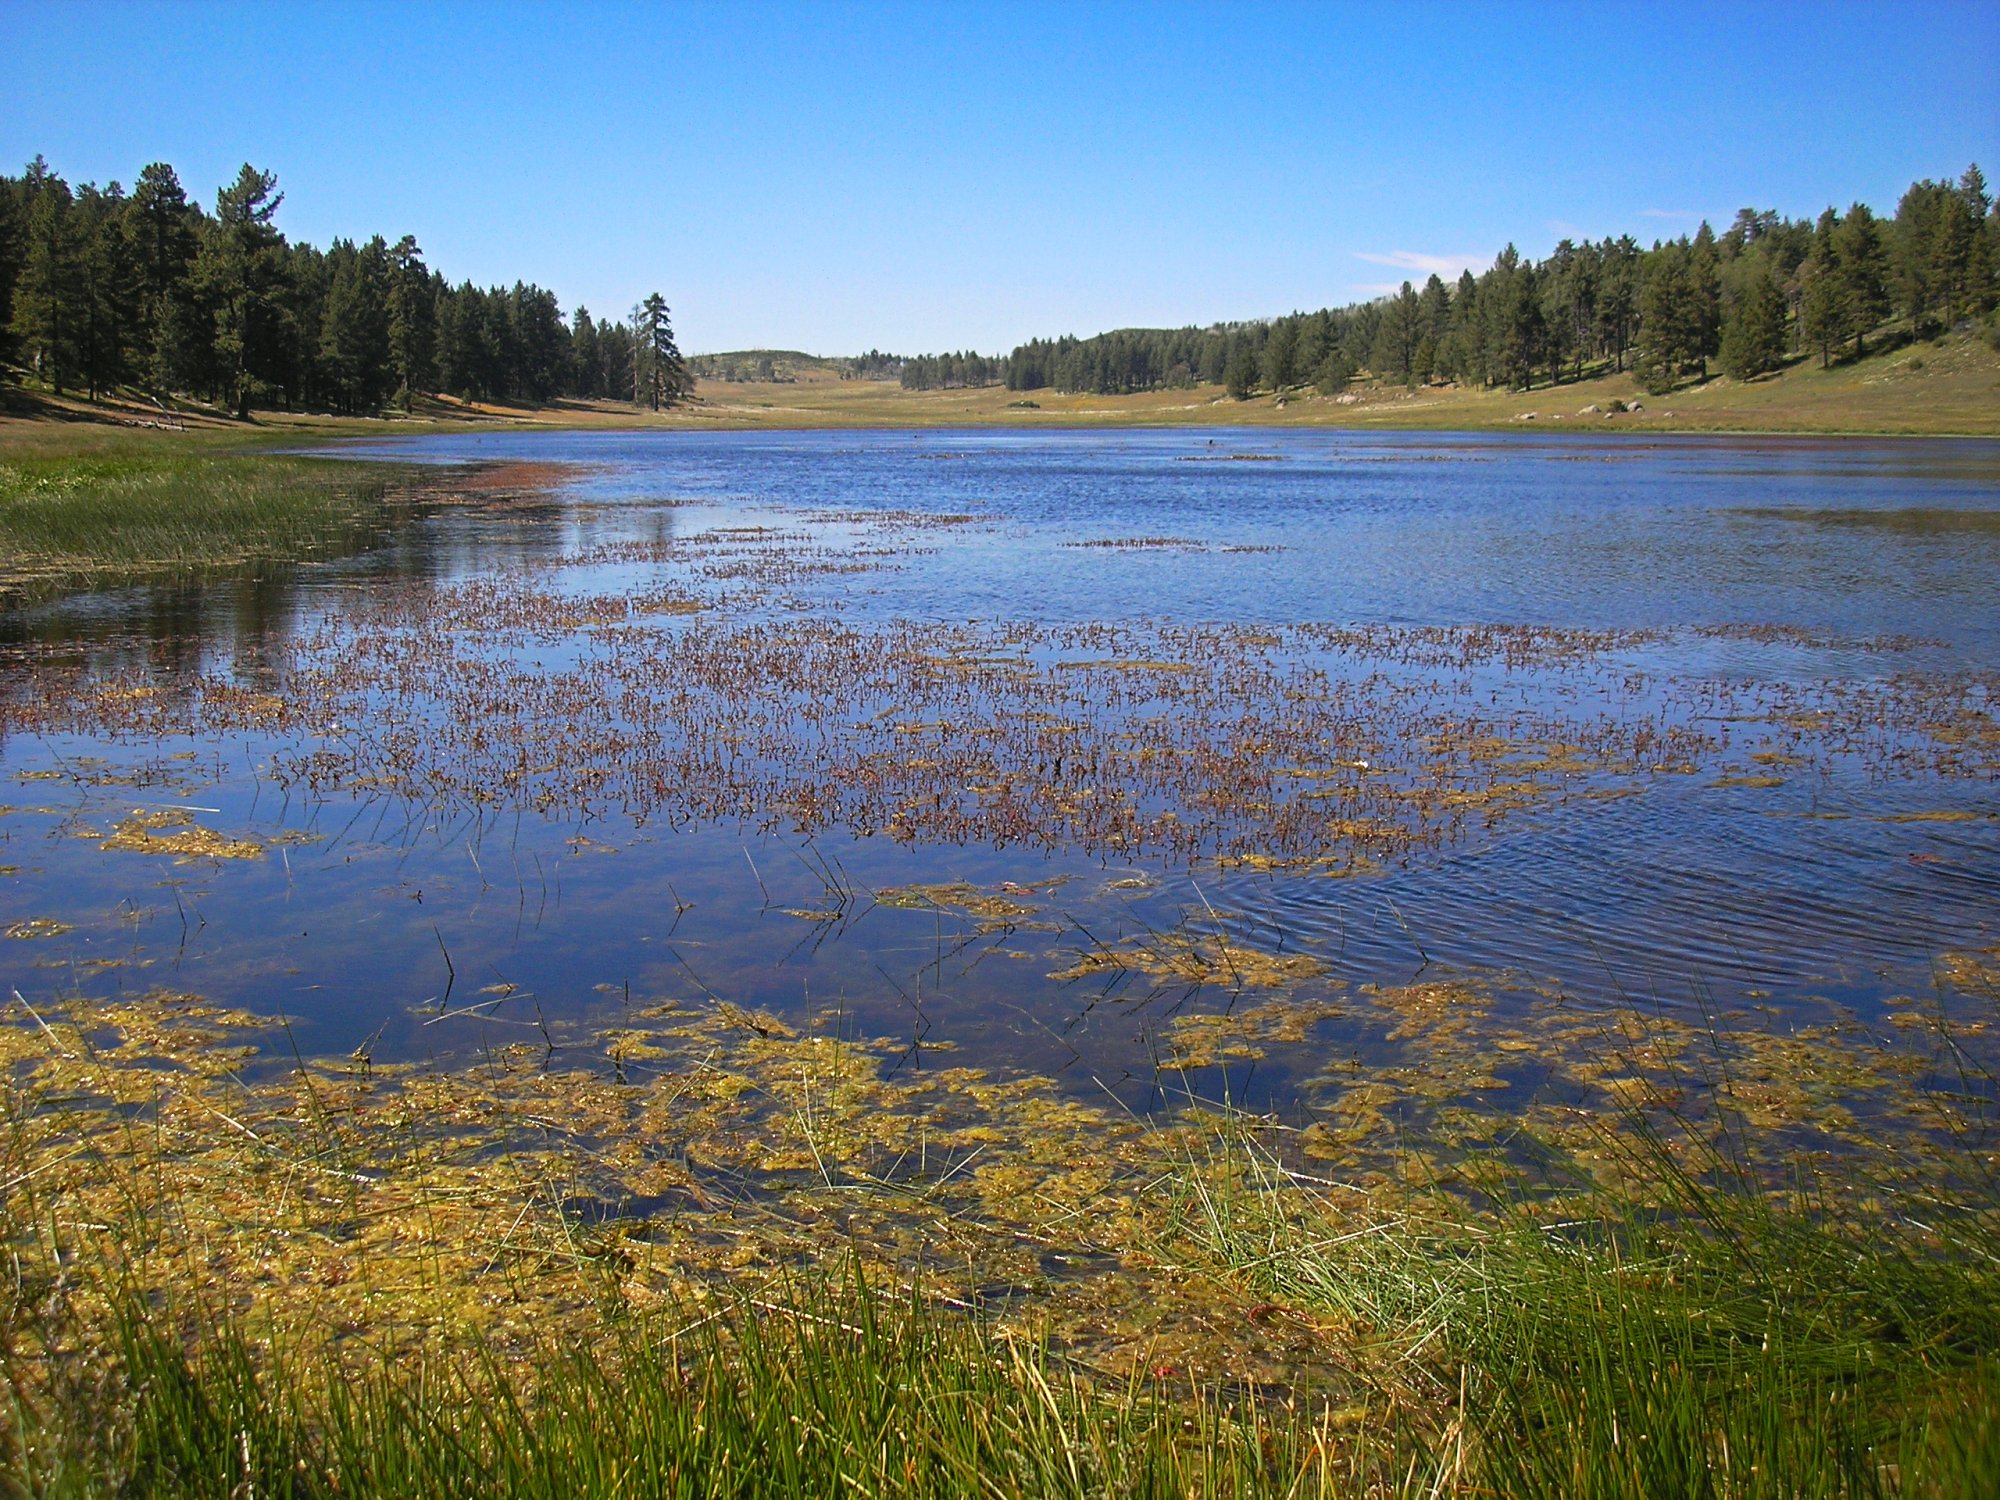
(1081, 878)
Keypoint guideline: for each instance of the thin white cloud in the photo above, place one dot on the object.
(1668, 213)
(1375, 288)
(1412, 260)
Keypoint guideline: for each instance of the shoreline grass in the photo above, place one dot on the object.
(73, 521)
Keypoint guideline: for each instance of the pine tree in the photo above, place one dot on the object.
(1516, 321)
(462, 354)
(665, 378)
(1553, 284)
(1669, 328)
(1916, 219)
(1394, 356)
(1981, 262)
(1239, 376)
(12, 235)
(355, 350)
(541, 343)
(108, 289)
(586, 359)
(1468, 330)
(242, 264)
(1281, 355)
(48, 292)
(1314, 331)
(1954, 231)
(1618, 298)
(1824, 318)
(162, 225)
(614, 343)
(1333, 375)
(1864, 272)
(1704, 298)
(412, 320)
(1409, 316)
(1753, 333)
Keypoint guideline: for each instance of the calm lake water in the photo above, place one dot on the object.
(1031, 750)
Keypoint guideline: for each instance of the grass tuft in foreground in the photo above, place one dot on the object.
(1686, 1333)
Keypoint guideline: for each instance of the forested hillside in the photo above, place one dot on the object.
(1765, 290)
(102, 289)
(789, 366)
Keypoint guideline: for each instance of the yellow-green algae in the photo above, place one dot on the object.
(693, 1145)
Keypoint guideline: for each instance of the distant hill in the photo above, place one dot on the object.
(793, 366)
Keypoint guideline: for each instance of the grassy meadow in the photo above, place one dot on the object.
(93, 492)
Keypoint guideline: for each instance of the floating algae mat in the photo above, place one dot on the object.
(693, 1148)
(663, 857)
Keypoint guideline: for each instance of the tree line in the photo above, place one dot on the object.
(950, 372)
(101, 289)
(1764, 290)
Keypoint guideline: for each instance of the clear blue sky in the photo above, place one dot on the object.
(915, 178)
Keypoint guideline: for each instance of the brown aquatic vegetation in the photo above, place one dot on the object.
(38, 927)
(1144, 544)
(1305, 746)
(995, 911)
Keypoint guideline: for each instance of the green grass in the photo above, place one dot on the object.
(1692, 1336)
(73, 519)
(837, 1390)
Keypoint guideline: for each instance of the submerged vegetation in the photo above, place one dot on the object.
(691, 700)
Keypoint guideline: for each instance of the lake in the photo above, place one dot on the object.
(1354, 778)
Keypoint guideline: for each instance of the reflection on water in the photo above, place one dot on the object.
(1040, 748)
